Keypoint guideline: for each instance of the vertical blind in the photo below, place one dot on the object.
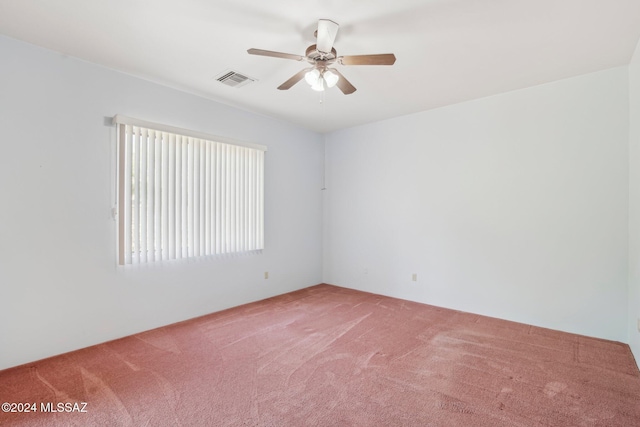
(182, 194)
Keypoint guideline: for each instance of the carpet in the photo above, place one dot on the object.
(329, 356)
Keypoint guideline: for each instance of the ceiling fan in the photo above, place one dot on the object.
(322, 56)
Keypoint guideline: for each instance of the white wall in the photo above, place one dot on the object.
(60, 287)
(513, 206)
(634, 204)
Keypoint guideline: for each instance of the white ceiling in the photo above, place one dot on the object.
(447, 51)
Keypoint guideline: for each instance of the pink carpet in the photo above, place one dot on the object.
(328, 356)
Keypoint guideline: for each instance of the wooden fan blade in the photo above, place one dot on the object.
(380, 59)
(293, 80)
(274, 54)
(343, 84)
(326, 35)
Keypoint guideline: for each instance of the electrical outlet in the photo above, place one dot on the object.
(638, 325)
(414, 277)
(266, 274)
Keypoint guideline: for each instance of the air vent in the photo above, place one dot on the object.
(234, 79)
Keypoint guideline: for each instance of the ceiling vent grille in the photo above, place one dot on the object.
(234, 79)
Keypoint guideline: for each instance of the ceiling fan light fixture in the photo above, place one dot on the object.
(330, 78)
(312, 77)
(318, 85)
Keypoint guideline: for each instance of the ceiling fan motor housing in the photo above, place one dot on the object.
(320, 59)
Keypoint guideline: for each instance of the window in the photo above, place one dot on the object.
(182, 194)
